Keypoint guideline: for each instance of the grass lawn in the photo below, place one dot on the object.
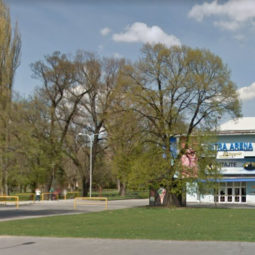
(143, 223)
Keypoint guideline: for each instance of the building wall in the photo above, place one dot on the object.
(193, 195)
(232, 161)
(199, 198)
(250, 187)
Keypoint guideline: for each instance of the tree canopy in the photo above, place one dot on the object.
(179, 92)
(152, 121)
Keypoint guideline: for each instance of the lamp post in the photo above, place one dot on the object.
(91, 138)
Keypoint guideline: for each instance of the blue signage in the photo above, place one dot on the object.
(173, 146)
(239, 146)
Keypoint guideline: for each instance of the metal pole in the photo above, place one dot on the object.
(90, 168)
(91, 137)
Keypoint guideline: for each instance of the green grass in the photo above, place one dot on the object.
(143, 223)
(114, 194)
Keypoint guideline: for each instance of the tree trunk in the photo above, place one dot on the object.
(85, 187)
(165, 198)
(122, 189)
(33, 187)
(118, 185)
(100, 189)
(152, 197)
(4, 181)
(50, 182)
(172, 200)
(184, 203)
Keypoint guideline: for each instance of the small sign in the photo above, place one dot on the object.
(230, 154)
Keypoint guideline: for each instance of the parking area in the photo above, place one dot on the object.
(60, 207)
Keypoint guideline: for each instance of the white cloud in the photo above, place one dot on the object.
(227, 25)
(247, 93)
(233, 13)
(140, 32)
(105, 31)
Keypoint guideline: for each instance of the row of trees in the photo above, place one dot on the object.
(135, 111)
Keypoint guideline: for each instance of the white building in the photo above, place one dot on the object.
(236, 153)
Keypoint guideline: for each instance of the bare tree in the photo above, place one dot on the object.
(62, 80)
(100, 78)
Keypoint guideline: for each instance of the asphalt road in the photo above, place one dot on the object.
(48, 208)
(78, 246)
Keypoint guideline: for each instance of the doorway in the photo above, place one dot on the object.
(231, 192)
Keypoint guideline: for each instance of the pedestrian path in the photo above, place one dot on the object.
(60, 207)
(95, 246)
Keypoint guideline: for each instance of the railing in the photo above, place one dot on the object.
(25, 195)
(65, 195)
(11, 197)
(52, 194)
(88, 201)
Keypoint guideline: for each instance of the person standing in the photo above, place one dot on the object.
(51, 193)
(37, 194)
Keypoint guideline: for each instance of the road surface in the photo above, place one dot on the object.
(79, 246)
(60, 207)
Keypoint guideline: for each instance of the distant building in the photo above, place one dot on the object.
(236, 154)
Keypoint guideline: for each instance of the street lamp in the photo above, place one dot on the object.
(91, 138)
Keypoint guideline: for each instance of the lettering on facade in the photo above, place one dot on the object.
(238, 164)
(229, 164)
(240, 146)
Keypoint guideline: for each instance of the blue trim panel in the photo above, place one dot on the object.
(237, 180)
(231, 180)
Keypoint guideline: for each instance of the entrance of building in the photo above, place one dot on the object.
(231, 192)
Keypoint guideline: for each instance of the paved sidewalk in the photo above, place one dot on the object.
(78, 246)
(49, 208)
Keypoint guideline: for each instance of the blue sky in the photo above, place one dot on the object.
(119, 29)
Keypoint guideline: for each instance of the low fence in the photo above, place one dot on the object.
(73, 194)
(9, 199)
(89, 201)
(47, 195)
(50, 196)
(29, 195)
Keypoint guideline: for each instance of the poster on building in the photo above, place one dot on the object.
(189, 163)
(161, 193)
